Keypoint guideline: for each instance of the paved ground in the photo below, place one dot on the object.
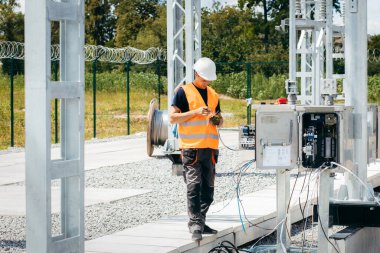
(97, 154)
(12, 198)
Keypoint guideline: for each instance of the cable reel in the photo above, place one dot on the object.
(157, 131)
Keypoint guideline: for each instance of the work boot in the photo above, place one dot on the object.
(197, 235)
(208, 230)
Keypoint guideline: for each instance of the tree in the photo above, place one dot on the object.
(100, 22)
(11, 29)
(273, 11)
(154, 32)
(228, 34)
(132, 17)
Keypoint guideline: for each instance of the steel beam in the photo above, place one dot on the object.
(357, 89)
(40, 91)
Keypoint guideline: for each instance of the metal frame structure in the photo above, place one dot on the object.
(41, 169)
(312, 39)
(183, 31)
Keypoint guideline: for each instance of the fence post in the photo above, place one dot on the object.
(158, 71)
(128, 68)
(55, 104)
(249, 92)
(94, 95)
(12, 103)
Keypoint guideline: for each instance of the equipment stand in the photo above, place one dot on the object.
(283, 192)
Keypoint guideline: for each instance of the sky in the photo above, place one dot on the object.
(373, 12)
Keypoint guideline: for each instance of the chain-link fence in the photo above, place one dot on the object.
(120, 85)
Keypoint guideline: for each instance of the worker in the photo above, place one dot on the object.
(196, 110)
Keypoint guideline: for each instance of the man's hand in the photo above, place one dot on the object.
(202, 111)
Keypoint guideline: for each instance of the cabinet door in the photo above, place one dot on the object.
(276, 137)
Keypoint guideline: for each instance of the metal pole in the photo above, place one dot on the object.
(94, 95)
(357, 89)
(12, 103)
(249, 92)
(283, 198)
(323, 212)
(56, 105)
(158, 71)
(128, 68)
(292, 48)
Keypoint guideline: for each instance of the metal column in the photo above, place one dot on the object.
(40, 91)
(175, 40)
(283, 198)
(193, 36)
(357, 88)
(180, 61)
(323, 211)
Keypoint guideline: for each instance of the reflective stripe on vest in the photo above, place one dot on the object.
(198, 132)
(195, 123)
(199, 136)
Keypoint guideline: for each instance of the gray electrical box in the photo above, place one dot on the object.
(303, 137)
(276, 137)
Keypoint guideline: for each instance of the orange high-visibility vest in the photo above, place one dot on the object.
(198, 132)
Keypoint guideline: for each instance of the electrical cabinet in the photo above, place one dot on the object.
(247, 137)
(276, 137)
(303, 137)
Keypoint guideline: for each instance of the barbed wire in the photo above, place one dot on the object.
(373, 55)
(16, 50)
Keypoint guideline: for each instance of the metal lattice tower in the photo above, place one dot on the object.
(41, 169)
(183, 45)
(311, 50)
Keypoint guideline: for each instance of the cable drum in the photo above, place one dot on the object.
(157, 131)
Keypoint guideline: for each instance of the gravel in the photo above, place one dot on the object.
(154, 174)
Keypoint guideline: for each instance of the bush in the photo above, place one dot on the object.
(117, 81)
(235, 85)
(374, 89)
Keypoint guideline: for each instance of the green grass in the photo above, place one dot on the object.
(111, 101)
(111, 112)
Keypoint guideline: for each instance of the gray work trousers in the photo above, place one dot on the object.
(199, 176)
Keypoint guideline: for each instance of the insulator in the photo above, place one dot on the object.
(322, 9)
(298, 7)
(343, 4)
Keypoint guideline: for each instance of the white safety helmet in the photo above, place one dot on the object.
(206, 69)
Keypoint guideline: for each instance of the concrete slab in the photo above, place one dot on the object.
(12, 198)
(260, 209)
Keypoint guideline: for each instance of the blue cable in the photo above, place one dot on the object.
(244, 167)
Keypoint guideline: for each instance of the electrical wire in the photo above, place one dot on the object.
(245, 167)
(234, 182)
(361, 181)
(227, 247)
(290, 200)
(221, 140)
(320, 225)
